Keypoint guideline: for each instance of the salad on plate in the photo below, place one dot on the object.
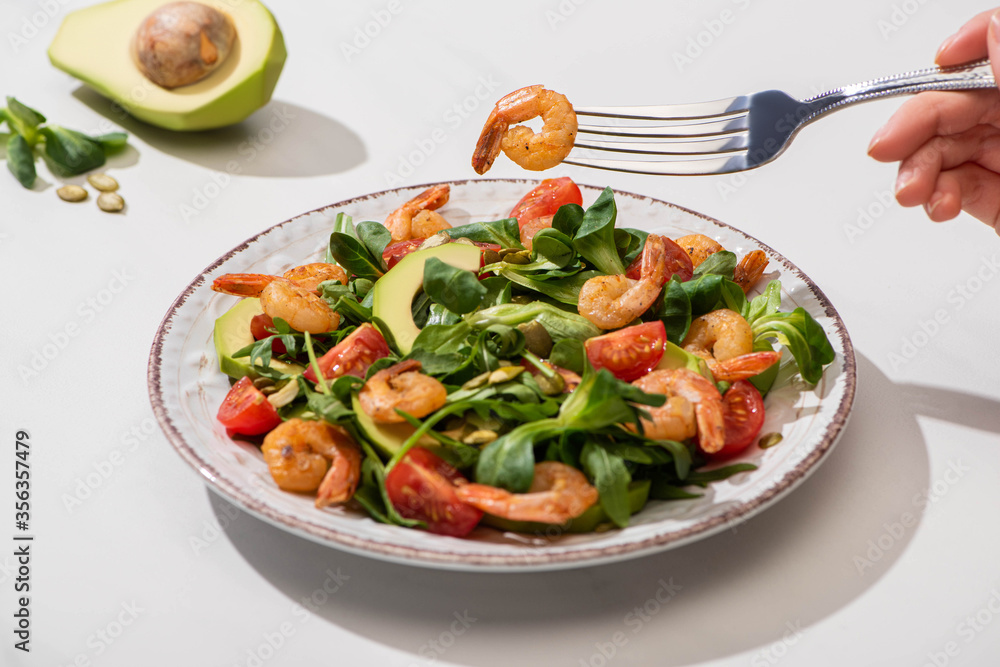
(548, 372)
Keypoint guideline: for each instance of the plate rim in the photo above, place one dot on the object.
(534, 559)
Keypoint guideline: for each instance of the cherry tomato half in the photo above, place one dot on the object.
(397, 251)
(246, 410)
(743, 410)
(353, 355)
(628, 353)
(678, 263)
(259, 329)
(422, 486)
(546, 200)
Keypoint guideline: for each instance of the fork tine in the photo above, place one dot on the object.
(698, 129)
(699, 146)
(723, 107)
(726, 164)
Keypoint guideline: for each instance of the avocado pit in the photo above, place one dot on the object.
(182, 42)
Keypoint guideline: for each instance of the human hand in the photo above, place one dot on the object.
(948, 143)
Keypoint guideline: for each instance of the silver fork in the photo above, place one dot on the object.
(740, 133)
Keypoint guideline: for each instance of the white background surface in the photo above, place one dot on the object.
(127, 532)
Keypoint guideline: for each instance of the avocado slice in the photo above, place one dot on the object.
(95, 45)
(393, 293)
(638, 493)
(677, 357)
(387, 437)
(232, 333)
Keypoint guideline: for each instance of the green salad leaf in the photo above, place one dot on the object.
(456, 289)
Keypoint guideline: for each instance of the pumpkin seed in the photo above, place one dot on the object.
(551, 386)
(490, 256)
(103, 182)
(770, 440)
(262, 382)
(268, 390)
(480, 437)
(505, 374)
(111, 202)
(536, 338)
(71, 193)
(522, 257)
(477, 382)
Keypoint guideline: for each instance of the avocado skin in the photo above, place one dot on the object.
(638, 494)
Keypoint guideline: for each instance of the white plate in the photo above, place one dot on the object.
(186, 389)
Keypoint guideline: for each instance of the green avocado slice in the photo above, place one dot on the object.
(392, 295)
(232, 333)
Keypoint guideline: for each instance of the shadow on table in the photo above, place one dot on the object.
(280, 140)
(750, 588)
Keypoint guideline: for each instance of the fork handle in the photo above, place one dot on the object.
(973, 75)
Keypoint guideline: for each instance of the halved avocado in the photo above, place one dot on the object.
(594, 516)
(95, 45)
(393, 293)
(387, 437)
(232, 333)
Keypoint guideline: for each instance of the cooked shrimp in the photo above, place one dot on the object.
(699, 247)
(302, 309)
(307, 456)
(284, 298)
(724, 340)
(535, 152)
(402, 387)
(532, 227)
(744, 366)
(611, 302)
(400, 222)
(721, 334)
(558, 493)
(311, 275)
(693, 407)
(428, 223)
(750, 269)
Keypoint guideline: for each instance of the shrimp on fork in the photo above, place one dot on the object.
(418, 218)
(535, 152)
(558, 493)
(611, 302)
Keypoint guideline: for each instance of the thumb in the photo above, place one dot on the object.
(993, 44)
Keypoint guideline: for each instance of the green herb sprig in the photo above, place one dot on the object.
(67, 152)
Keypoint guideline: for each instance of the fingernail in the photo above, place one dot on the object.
(933, 204)
(995, 25)
(944, 47)
(903, 180)
(875, 140)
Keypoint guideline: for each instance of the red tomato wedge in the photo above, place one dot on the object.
(259, 325)
(353, 355)
(422, 486)
(678, 263)
(743, 410)
(546, 200)
(628, 353)
(246, 410)
(397, 251)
